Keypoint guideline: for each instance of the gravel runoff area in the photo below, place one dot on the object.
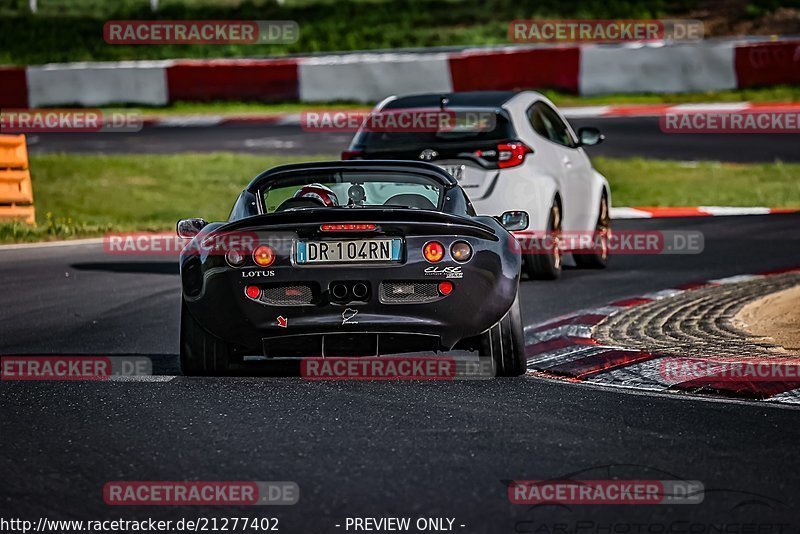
(775, 317)
(757, 317)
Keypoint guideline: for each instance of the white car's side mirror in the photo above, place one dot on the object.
(515, 221)
(589, 136)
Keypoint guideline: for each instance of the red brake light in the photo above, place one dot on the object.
(361, 227)
(352, 154)
(252, 291)
(512, 154)
(445, 288)
(433, 251)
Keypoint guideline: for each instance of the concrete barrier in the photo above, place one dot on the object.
(372, 77)
(99, 84)
(657, 68)
(368, 77)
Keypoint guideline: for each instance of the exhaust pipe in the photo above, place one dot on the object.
(360, 290)
(339, 291)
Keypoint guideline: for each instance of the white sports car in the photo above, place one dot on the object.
(525, 158)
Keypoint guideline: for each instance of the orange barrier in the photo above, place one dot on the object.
(16, 191)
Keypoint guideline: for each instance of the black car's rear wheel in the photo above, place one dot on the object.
(597, 257)
(201, 352)
(545, 264)
(504, 343)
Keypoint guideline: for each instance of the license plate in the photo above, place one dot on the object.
(456, 171)
(350, 251)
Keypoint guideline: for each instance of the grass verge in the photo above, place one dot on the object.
(82, 196)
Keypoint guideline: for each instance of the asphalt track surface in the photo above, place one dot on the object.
(376, 449)
(625, 137)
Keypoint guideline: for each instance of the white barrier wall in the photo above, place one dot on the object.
(99, 84)
(657, 68)
(372, 77)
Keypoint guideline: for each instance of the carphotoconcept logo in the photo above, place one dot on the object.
(242, 32)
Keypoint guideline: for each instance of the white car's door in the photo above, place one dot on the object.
(573, 165)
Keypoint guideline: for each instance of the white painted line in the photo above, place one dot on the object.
(541, 362)
(141, 378)
(629, 213)
(183, 121)
(50, 244)
(731, 210)
(710, 107)
(586, 111)
(736, 279)
(643, 375)
(788, 397)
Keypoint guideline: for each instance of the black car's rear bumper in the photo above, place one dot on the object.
(484, 289)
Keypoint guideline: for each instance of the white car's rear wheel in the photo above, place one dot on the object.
(597, 257)
(543, 262)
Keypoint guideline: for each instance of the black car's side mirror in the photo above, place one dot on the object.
(188, 228)
(589, 136)
(514, 221)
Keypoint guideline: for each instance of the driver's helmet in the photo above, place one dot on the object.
(318, 192)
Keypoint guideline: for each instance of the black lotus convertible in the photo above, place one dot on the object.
(351, 259)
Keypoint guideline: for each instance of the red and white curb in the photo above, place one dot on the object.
(660, 110)
(635, 110)
(660, 212)
(564, 348)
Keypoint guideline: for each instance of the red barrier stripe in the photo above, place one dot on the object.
(266, 80)
(763, 64)
(14, 82)
(629, 303)
(603, 361)
(509, 70)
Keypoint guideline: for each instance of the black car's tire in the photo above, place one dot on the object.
(201, 352)
(546, 265)
(504, 343)
(598, 257)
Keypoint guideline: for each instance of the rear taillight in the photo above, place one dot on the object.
(512, 154)
(352, 154)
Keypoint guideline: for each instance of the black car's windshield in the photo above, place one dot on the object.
(351, 190)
